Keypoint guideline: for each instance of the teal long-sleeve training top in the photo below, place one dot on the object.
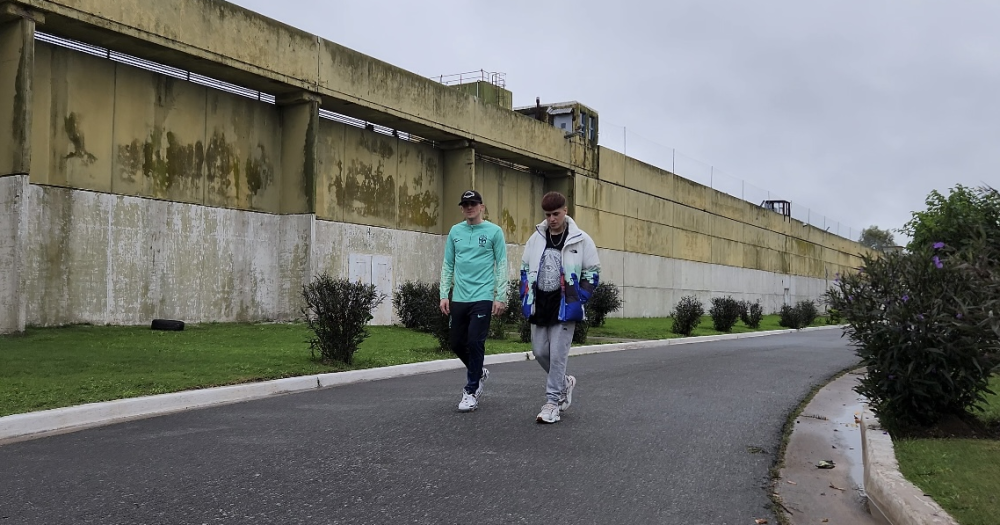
(475, 263)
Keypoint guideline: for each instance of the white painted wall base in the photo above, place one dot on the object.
(651, 285)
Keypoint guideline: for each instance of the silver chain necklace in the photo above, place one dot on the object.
(562, 237)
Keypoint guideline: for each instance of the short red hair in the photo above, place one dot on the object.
(553, 200)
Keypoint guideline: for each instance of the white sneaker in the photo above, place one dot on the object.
(568, 394)
(468, 403)
(549, 413)
(482, 383)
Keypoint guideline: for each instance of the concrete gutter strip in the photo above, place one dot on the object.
(59, 420)
(638, 345)
(76, 417)
(889, 493)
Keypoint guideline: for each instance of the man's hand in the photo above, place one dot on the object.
(445, 307)
(498, 308)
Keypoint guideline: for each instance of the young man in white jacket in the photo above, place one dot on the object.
(559, 271)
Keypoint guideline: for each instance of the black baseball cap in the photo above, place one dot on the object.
(471, 196)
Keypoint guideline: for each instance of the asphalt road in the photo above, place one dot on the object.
(675, 435)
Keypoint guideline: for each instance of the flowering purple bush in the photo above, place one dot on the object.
(927, 326)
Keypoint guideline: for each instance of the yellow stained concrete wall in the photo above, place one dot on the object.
(113, 129)
(513, 199)
(231, 43)
(639, 208)
(108, 127)
(374, 179)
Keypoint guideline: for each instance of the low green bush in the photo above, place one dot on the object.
(687, 314)
(725, 311)
(337, 311)
(607, 298)
(751, 313)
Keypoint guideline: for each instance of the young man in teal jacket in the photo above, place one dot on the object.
(473, 289)
(559, 271)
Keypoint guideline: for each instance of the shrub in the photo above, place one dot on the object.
(751, 313)
(687, 314)
(725, 311)
(513, 313)
(807, 313)
(832, 314)
(441, 330)
(580, 332)
(605, 300)
(524, 330)
(498, 330)
(337, 311)
(417, 305)
(510, 317)
(799, 316)
(788, 316)
(925, 328)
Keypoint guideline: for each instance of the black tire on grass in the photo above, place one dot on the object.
(167, 324)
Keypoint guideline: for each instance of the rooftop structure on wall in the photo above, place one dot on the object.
(777, 206)
(488, 86)
(572, 117)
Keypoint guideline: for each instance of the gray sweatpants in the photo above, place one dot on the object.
(550, 344)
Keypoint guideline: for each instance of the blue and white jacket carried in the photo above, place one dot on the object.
(581, 270)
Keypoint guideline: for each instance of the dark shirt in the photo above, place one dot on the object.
(548, 285)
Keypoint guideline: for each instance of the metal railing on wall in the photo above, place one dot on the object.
(667, 158)
(493, 77)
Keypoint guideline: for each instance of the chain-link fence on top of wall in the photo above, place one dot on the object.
(622, 140)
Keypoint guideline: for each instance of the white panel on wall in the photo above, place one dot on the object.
(382, 279)
(377, 270)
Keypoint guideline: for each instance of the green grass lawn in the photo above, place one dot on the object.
(962, 475)
(55, 367)
(991, 409)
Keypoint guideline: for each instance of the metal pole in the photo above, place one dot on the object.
(743, 192)
(673, 161)
(624, 140)
(711, 176)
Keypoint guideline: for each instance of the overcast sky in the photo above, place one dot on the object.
(852, 109)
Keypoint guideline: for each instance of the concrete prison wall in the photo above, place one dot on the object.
(192, 159)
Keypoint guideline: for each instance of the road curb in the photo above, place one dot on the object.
(889, 494)
(32, 425)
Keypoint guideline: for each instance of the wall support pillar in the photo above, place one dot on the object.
(299, 163)
(299, 176)
(459, 175)
(562, 181)
(17, 56)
